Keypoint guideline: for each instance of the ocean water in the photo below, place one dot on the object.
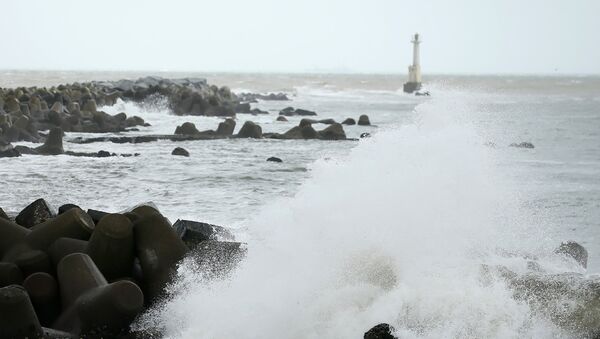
(347, 234)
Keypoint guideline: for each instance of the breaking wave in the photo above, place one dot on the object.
(396, 232)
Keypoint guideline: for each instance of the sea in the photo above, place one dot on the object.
(342, 235)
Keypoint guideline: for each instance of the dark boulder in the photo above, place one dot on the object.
(363, 120)
(226, 127)
(381, 331)
(306, 122)
(53, 144)
(274, 159)
(250, 130)
(575, 251)
(35, 213)
(365, 135)
(290, 111)
(333, 132)
(281, 118)
(10, 153)
(257, 111)
(349, 121)
(180, 151)
(187, 128)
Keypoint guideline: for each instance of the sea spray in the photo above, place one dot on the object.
(395, 232)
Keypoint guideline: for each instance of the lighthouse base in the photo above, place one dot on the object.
(411, 87)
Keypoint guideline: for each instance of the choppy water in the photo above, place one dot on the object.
(344, 235)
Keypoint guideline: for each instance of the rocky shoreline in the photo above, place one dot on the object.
(26, 112)
(77, 274)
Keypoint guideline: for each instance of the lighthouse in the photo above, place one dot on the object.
(414, 70)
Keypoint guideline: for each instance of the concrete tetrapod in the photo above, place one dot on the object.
(18, 318)
(159, 249)
(90, 303)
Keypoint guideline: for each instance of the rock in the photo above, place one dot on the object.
(381, 331)
(297, 132)
(180, 151)
(281, 118)
(35, 213)
(250, 130)
(333, 132)
(192, 232)
(53, 144)
(10, 153)
(306, 122)
(256, 111)
(274, 159)
(575, 251)
(363, 120)
(226, 127)
(187, 128)
(290, 111)
(365, 135)
(349, 121)
(524, 144)
(135, 121)
(326, 121)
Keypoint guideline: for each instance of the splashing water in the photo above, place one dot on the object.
(395, 232)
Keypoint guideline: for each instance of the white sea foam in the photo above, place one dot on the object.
(395, 232)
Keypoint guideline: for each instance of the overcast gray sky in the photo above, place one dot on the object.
(460, 36)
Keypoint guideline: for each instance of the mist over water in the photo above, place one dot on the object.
(396, 231)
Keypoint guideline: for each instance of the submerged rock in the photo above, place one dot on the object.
(250, 130)
(281, 118)
(290, 111)
(274, 159)
(226, 127)
(53, 144)
(349, 121)
(524, 144)
(333, 132)
(187, 128)
(180, 151)
(363, 120)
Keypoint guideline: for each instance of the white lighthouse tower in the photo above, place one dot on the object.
(414, 71)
